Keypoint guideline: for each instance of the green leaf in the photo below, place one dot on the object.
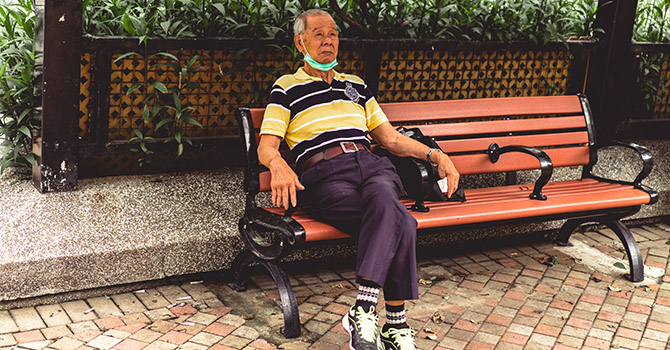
(166, 26)
(191, 61)
(160, 87)
(619, 265)
(133, 88)
(125, 55)
(221, 8)
(668, 242)
(177, 136)
(180, 149)
(193, 86)
(127, 24)
(177, 102)
(23, 115)
(187, 140)
(163, 123)
(240, 52)
(31, 159)
(193, 121)
(167, 54)
(24, 130)
(145, 113)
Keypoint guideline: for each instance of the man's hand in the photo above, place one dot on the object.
(446, 168)
(284, 180)
(284, 183)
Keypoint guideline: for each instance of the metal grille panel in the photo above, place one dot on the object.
(408, 75)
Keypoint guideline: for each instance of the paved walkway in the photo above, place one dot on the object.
(530, 295)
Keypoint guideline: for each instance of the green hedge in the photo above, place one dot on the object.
(481, 20)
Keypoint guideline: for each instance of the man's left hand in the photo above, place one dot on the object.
(446, 168)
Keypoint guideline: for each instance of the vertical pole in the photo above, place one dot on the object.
(58, 47)
(373, 57)
(610, 76)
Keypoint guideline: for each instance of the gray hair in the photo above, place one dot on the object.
(300, 25)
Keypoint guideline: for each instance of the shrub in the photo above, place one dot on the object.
(17, 24)
(505, 20)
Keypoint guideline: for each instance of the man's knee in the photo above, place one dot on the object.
(408, 225)
(382, 191)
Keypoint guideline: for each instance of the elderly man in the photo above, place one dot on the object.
(326, 118)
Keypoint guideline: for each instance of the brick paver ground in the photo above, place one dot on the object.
(508, 296)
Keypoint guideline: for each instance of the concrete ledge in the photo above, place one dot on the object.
(130, 229)
(116, 230)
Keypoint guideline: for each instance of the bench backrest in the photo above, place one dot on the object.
(559, 125)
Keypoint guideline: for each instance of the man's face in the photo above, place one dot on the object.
(320, 39)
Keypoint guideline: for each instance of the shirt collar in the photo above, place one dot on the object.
(302, 75)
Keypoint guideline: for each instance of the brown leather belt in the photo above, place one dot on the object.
(342, 147)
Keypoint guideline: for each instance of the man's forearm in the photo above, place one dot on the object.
(267, 155)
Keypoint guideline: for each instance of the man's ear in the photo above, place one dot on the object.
(298, 44)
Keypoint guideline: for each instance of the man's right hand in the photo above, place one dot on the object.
(284, 183)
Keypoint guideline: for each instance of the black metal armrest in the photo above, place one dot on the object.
(546, 165)
(643, 152)
(280, 231)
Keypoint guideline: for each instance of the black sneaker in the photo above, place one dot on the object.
(398, 339)
(362, 328)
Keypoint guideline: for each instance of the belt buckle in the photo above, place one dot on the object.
(349, 146)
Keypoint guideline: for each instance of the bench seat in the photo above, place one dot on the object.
(498, 204)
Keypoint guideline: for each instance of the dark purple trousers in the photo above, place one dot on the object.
(358, 194)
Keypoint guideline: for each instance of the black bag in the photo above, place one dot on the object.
(418, 176)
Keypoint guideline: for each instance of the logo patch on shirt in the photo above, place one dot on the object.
(352, 93)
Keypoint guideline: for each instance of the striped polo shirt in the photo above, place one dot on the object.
(311, 115)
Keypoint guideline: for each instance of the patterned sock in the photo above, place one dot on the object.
(368, 294)
(395, 317)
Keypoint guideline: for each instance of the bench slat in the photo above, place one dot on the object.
(481, 108)
(470, 108)
(537, 141)
(536, 125)
(480, 163)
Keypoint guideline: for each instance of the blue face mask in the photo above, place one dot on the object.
(324, 67)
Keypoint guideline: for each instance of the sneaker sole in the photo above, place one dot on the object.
(345, 324)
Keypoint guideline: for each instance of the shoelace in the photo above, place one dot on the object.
(367, 324)
(404, 337)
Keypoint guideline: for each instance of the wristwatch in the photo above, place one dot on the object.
(430, 151)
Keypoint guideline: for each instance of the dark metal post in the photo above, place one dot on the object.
(373, 57)
(610, 76)
(58, 47)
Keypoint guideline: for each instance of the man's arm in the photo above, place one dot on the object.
(404, 146)
(284, 180)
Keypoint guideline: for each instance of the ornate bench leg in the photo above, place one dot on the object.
(568, 228)
(245, 258)
(289, 305)
(627, 239)
(239, 265)
(632, 250)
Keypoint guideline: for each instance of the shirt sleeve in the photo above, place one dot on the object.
(374, 116)
(277, 113)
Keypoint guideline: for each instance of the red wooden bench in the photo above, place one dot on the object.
(555, 131)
